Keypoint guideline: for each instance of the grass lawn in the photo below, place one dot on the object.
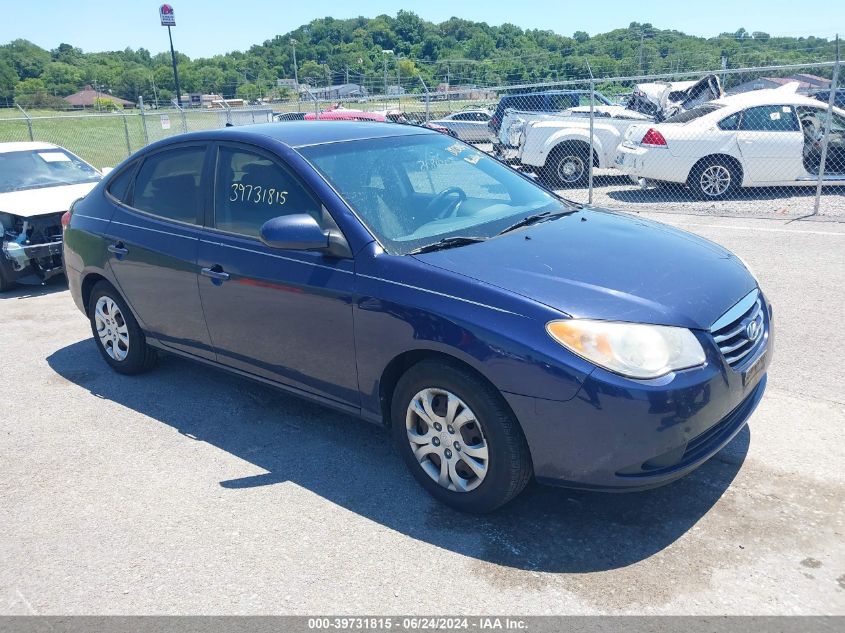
(104, 140)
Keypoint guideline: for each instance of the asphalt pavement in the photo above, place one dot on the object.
(188, 491)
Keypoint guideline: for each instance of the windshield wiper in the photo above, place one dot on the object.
(447, 242)
(537, 217)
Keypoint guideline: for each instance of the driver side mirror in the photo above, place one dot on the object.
(298, 231)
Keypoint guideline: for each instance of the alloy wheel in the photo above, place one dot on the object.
(715, 180)
(111, 328)
(447, 440)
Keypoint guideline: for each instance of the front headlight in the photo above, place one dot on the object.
(635, 350)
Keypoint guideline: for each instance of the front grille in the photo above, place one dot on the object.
(731, 331)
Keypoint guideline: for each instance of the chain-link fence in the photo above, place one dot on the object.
(105, 139)
(766, 141)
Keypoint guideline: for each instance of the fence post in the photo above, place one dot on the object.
(592, 120)
(827, 124)
(184, 118)
(427, 98)
(126, 134)
(143, 120)
(28, 122)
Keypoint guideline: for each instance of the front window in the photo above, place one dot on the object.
(251, 189)
(34, 169)
(770, 118)
(412, 191)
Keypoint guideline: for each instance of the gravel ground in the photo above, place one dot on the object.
(188, 491)
(612, 190)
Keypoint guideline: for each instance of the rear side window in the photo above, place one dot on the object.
(563, 102)
(251, 189)
(168, 184)
(730, 123)
(695, 113)
(770, 119)
(119, 185)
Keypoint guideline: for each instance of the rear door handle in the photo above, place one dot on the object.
(118, 249)
(216, 273)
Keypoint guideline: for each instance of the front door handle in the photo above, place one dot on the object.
(215, 273)
(118, 249)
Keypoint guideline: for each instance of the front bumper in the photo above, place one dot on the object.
(621, 434)
(34, 263)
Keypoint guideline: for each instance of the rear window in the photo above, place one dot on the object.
(696, 113)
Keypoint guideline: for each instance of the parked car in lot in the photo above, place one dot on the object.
(762, 138)
(38, 183)
(546, 101)
(289, 116)
(557, 147)
(499, 331)
(468, 125)
(824, 96)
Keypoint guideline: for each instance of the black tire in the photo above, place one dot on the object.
(508, 463)
(708, 172)
(140, 357)
(5, 284)
(568, 165)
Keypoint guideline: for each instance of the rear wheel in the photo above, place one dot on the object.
(567, 166)
(116, 332)
(714, 178)
(5, 284)
(458, 437)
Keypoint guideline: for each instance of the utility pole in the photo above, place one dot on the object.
(384, 53)
(295, 74)
(295, 71)
(168, 19)
(642, 42)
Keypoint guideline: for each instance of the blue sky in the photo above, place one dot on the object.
(206, 27)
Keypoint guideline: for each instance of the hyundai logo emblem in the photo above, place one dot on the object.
(752, 330)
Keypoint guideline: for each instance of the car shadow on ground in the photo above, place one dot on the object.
(25, 291)
(352, 463)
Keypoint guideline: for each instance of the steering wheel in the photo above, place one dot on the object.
(452, 206)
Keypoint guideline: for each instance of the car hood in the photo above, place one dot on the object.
(604, 265)
(42, 201)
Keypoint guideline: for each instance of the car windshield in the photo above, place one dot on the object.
(412, 191)
(33, 169)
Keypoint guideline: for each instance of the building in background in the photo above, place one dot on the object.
(88, 98)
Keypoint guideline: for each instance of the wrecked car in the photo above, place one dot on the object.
(38, 183)
(557, 147)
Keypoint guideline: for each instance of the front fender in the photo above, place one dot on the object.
(414, 307)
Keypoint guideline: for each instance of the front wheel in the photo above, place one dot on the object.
(459, 438)
(117, 334)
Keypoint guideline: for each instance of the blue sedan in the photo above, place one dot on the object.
(500, 332)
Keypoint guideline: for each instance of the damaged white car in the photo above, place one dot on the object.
(38, 183)
(557, 147)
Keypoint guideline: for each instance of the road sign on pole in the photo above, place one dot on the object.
(168, 19)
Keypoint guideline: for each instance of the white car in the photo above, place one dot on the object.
(763, 138)
(468, 125)
(38, 183)
(557, 147)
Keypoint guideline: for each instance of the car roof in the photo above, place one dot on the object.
(784, 95)
(303, 133)
(27, 146)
